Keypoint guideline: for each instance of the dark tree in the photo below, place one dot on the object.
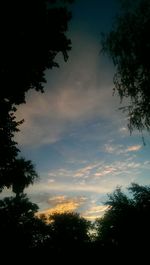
(22, 175)
(16, 216)
(23, 235)
(112, 226)
(8, 148)
(124, 230)
(14, 171)
(33, 32)
(128, 45)
(68, 233)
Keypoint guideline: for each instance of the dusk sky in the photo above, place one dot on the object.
(74, 133)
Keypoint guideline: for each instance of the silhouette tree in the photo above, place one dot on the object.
(16, 216)
(8, 150)
(68, 233)
(22, 174)
(128, 45)
(21, 231)
(15, 172)
(124, 229)
(109, 227)
(33, 32)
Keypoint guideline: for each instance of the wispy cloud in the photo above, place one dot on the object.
(94, 212)
(85, 171)
(97, 177)
(114, 149)
(60, 187)
(124, 131)
(48, 117)
(121, 149)
(71, 98)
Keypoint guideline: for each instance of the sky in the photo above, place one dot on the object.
(74, 133)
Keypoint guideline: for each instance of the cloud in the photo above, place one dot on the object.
(147, 163)
(96, 211)
(61, 204)
(60, 187)
(105, 170)
(124, 131)
(73, 189)
(50, 116)
(114, 149)
(97, 177)
(51, 180)
(87, 207)
(85, 171)
(134, 148)
(121, 149)
(80, 92)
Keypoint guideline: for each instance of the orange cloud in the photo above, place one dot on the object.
(134, 148)
(61, 204)
(61, 208)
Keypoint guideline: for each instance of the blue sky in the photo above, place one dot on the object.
(74, 133)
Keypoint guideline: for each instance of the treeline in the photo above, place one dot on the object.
(123, 230)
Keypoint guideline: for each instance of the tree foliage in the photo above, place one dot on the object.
(128, 45)
(16, 223)
(68, 235)
(69, 228)
(33, 32)
(8, 148)
(125, 225)
(21, 231)
(15, 172)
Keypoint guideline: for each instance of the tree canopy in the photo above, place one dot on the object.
(124, 227)
(69, 228)
(16, 223)
(128, 45)
(33, 32)
(68, 232)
